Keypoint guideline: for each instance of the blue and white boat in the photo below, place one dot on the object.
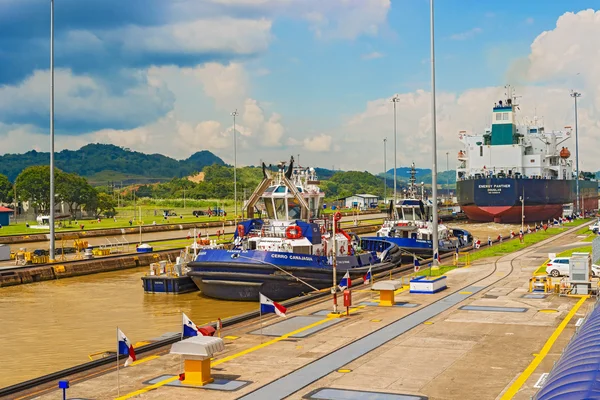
(292, 250)
(410, 226)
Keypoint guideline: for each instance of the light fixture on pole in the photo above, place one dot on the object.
(51, 131)
(522, 198)
(395, 99)
(234, 114)
(575, 95)
(434, 233)
(384, 171)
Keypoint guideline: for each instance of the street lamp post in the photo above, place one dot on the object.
(522, 198)
(384, 170)
(434, 232)
(51, 131)
(395, 99)
(575, 95)
(234, 114)
(448, 176)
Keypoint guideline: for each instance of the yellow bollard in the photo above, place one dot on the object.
(386, 298)
(197, 372)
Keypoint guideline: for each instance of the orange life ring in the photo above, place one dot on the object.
(337, 216)
(241, 230)
(293, 232)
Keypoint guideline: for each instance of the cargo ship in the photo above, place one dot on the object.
(515, 170)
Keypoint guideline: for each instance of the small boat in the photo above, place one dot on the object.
(290, 252)
(410, 226)
(166, 277)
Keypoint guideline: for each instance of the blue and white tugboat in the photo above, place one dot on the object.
(292, 250)
(410, 226)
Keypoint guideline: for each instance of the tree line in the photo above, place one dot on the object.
(33, 185)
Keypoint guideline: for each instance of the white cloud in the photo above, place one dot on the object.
(226, 84)
(372, 55)
(320, 143)
(466, 34)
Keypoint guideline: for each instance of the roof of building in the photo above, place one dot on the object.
(6, 209)
(362, 195)
(576, 374)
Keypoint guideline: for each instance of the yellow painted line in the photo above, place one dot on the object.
(402, 289)
(548, 311)
(541, 269)
(514, 388)
(375, 320)
(427, 323)
(143, 360)
(231, 337)
(229, 358)
(465, 292)
(344, 371)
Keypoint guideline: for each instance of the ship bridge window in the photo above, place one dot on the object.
(498, 116)
(294, 208)
(533, 130)
(280, 211)
(280, 189)
(480, 151)
(270, 189)
(269, 208)
(299, 189)
(505, 116)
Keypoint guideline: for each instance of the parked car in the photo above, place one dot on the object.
(559, 266)
(198, 213)
(595, 226)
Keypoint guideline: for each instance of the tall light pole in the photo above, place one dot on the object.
(522, 198)
(234, 114)
(395, 99)
(575, 95)
(434, 233)
(384, 171)
(51, 131)
(448, 176)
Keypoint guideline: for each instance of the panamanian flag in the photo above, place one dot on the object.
(367, 277)
(189, 328)
(269, 306)
(345, 282)
(125, 347)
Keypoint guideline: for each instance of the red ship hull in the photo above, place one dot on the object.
(510, 215)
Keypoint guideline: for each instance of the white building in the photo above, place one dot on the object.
(362, 201)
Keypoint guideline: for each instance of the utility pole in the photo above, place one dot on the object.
(384, 171)
(395, 99)
(575, 95)
(51, 255)
(234, 114)
(434, 264)
(448, 176)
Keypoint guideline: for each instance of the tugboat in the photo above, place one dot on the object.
(293, 250)
(410, 227)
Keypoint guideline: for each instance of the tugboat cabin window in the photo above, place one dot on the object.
(280, 189)
(280, 210)
(269, 208)
(294, 208)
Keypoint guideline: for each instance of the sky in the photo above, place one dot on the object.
(309, 78)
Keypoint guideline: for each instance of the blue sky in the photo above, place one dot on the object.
(307, 76)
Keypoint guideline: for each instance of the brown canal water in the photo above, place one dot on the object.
(49, 326)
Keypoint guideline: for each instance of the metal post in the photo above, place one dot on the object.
(384, 171)
(575, 95)
(184, 198)
(523, 212)
(334, 259)
(434, 146)
(395, 99)
(448, 175)
(234, 114)
(51, 130)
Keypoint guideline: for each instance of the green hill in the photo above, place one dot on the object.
(102, 162)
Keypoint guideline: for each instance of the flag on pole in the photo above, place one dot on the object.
(125, 347)
(367, 277)
(269, 306)
(189, 328)
(345, 282)
(416, 264)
